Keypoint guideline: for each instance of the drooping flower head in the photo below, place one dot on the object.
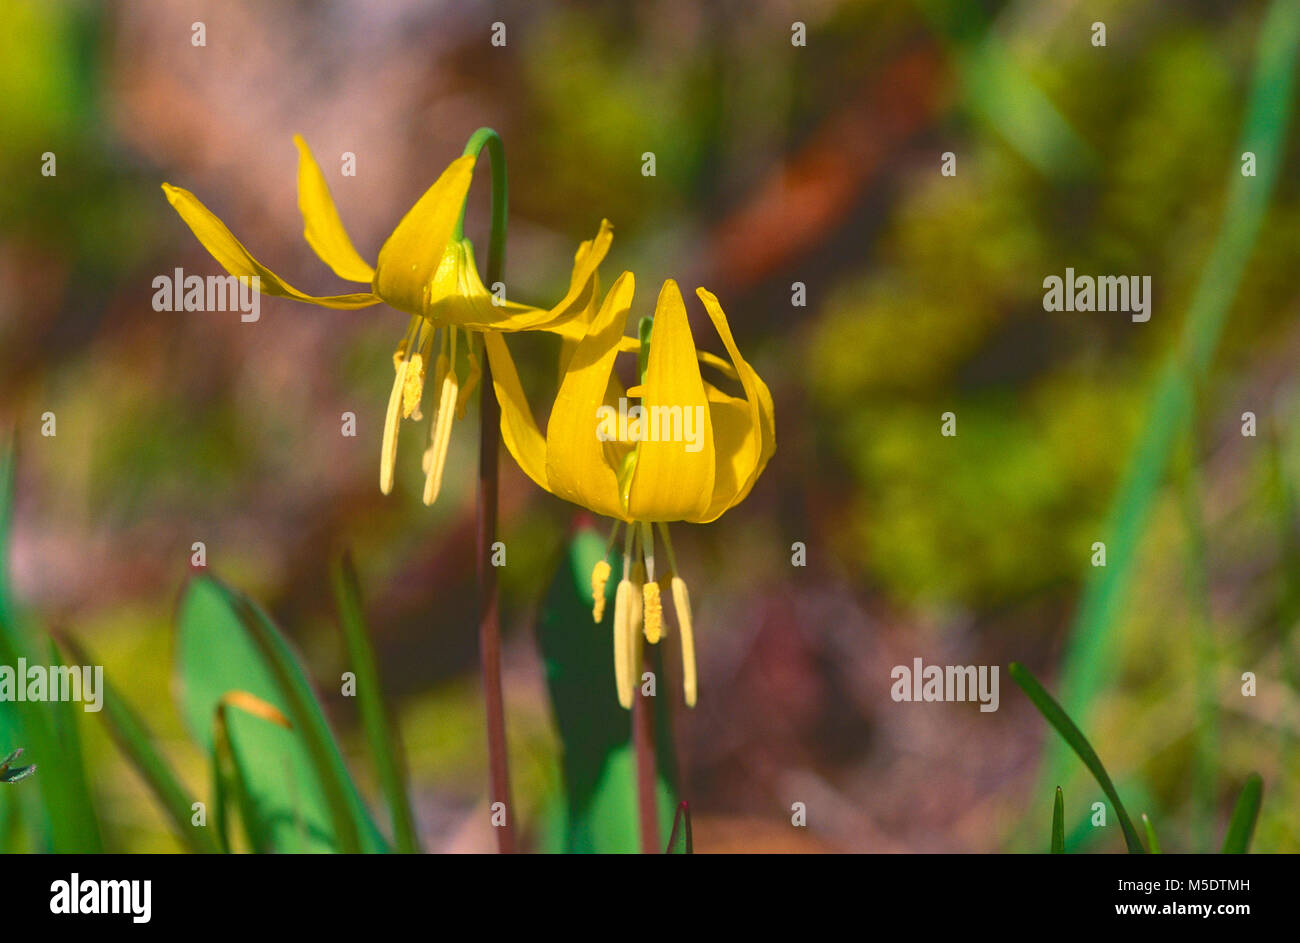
(686, 451)
(425, 269)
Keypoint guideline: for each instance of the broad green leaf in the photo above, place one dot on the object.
(380, 733)
(1079, 743)
(299, 791)
(1058, 824)
(133, 738)
(1242, 825)
(598, 763)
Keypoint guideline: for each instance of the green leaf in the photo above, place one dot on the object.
(1244, 815)
(1079, 743)
(133, 738)
(1152, 842)
(380, 734)
(1058, 824)
(298, 789)
(598, 763)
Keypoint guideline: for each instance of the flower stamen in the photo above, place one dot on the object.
(435, 457)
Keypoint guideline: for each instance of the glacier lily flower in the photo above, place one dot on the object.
(656, 479)
(426, 269)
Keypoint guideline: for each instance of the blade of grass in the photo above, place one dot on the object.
(1202, 631)
(1244, 815)
(1058, 824)
(134, 739)
(380, 733)
(1152, 842)
(1091, 643)
(681, 841)
(1079, 743)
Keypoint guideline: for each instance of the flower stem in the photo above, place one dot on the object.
(489, 628)
(647, 774)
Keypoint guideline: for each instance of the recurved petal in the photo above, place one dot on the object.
(411, 257)
(518, 428)
(571, 314)
(745, 443)
(237, 260)
(674, 473)
(457, 296)
(322, 227)
(577, 468)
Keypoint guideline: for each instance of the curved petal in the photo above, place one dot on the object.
(671, 482)
(750, 443)
(576, 465)
(237, 260)
(457, 296)
(324, 230)
(569, 317)
(411, 257)
(518, 428)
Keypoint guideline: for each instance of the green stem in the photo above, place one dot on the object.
(489, 628)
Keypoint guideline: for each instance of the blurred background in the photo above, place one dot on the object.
(775, 164)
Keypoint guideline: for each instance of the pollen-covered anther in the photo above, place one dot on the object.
(654, 612)
(413, 388)
(599, 580)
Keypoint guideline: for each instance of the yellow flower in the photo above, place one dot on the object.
(424, 269)
(690, 452)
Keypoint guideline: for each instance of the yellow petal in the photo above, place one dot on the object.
(323, 229)
(237, 260)
(670, 482)
(576, 465)
(518, 428)
(748, 441)
(569, 317)
(410, 258)
(457, 296)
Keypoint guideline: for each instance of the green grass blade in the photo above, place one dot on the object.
(1079, 743)
(64, 818)
(380, 733)
(1090, 649)
(681, 841)
(133, 738)
(1152, 842)
(1242, 825)
(1058, 824)
(296, 779)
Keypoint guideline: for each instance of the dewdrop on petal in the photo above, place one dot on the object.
(599, 580)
